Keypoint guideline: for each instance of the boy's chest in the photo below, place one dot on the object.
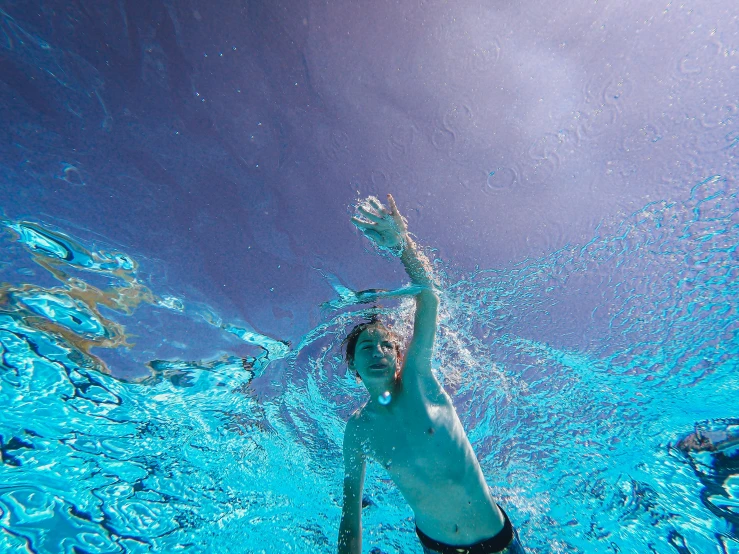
(411, 435)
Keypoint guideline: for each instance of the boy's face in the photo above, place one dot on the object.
(375, 356)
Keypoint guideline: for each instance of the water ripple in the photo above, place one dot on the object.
(572, 373)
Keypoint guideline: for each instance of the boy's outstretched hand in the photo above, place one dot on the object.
(383, 226)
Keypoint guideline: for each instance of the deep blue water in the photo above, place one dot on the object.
(178, 268)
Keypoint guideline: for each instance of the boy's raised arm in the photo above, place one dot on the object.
(418, 268)
(387, 228)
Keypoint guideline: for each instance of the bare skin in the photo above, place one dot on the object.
(417, 437)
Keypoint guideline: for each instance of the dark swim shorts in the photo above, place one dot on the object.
(505, 542)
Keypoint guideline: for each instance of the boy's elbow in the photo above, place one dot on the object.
(428, 297)
(427, 304)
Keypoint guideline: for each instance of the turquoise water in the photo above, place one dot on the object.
(138, 420)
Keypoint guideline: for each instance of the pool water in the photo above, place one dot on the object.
(140, 420)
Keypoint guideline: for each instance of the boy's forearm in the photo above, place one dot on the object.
(350, 538)
(416, 263)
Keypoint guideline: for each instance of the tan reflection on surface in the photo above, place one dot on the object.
(124, 298)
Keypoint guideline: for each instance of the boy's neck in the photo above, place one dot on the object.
(382, 397)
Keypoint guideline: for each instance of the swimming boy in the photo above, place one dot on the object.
(409, 424)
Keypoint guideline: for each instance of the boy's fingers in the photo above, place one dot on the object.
(369, 215)
(362, 225)
(395, 213)
(376, 204)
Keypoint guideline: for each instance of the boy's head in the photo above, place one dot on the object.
(369, 346)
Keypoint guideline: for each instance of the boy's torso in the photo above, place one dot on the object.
(420, 441)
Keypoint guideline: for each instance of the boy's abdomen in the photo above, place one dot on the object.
(436, 470)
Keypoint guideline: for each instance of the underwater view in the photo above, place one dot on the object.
(193, 218)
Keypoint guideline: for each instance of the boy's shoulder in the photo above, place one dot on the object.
(356, 433)
(358, 418)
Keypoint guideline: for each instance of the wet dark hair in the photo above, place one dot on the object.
(350, 342)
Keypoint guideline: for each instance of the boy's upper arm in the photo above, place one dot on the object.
(350, 529)
(421, 347)
(354, 469)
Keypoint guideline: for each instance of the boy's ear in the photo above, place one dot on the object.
(350, 365)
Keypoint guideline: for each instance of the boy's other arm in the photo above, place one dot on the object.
(350, 529)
